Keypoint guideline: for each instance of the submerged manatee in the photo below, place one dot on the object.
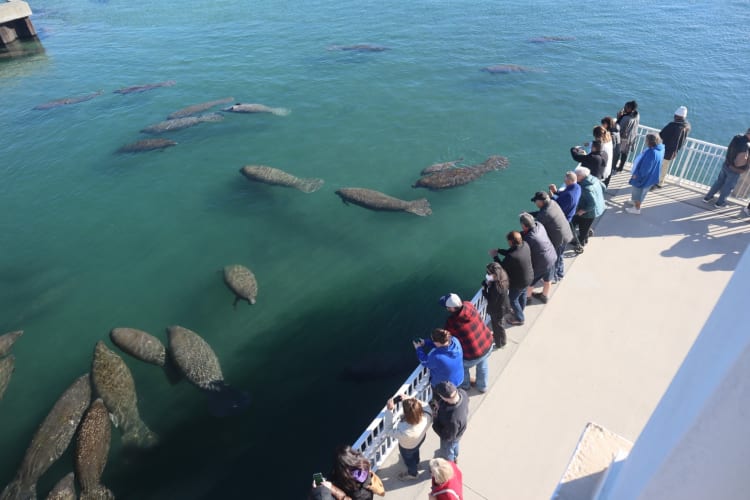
(146, 145)
(65, 489)
(508, 68)
(462, 175)
(50, 440)
(276, 177)
(360, 47)
(181, 123)
(143, 88)
(68, 100)
(437, 167)
(92, 449)
(199, 364)
(140, 345)
(7, 340)
(546, 39)
(198, 108)
(375, 200)
(256, 108)
(7, 365)
(114, 383)
(242, 282)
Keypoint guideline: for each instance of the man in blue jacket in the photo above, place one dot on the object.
(443, 356)
(645, 172)
(567, 195)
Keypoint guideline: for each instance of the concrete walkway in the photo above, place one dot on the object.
(604, 348)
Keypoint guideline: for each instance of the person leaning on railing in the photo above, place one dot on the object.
(410, 432)
(443, 356)
(735, 164)
(351, 472)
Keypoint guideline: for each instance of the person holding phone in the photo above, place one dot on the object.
(351, 472)
(410, 431)
(443, 355)
(322, 489)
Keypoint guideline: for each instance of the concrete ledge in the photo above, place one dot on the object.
(13, 11)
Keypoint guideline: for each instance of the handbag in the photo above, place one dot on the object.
(376, 485)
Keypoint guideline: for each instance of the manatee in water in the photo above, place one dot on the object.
(143, 88)
(114, 383)
(437, 167)
(546, 39)
(508, 68)
(181, 123)
(462, 175)
(242, 282)
(256, 108)
(50, 440)
(7, 365)
(65, 489)
(7, 340)
(360, 47)
(67, 100)
(198, 108)
(276, 177)
(145, 347)
(199, 364)
(375, 200)
(92, 449)
(146, 145)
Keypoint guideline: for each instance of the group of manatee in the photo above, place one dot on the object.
(106, 396)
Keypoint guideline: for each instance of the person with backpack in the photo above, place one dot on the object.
(736, 163)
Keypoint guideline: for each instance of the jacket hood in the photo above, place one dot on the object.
(454, 349)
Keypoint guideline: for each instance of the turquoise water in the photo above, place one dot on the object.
(91, 240)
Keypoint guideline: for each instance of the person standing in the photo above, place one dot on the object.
(409, 432)
(735, 164)
(590, 206)
(551, 216)
(613, 128)
(543, 256)
(495, 292)
(602, 135)
(645, 172)
(469, 328)
(595, 161)
(517, 263)
(673, 135)
(627, 120)
(567, 195)
(447, 480)
(443, 356)
(449, 422)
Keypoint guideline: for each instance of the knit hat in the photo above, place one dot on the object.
(540, 196)
(451, 300)
(445, 389)
(681, 112)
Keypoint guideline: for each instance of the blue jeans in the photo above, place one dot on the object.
(723, 185)
(411, 458)
(560, 264)
(448, 449)
(482, 372)
(517, 298)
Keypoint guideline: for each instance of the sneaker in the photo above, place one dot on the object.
(540, 296)
(578, 249)
(591, 233)
(720, 206)
(632, 210)
(515, 322)
(707, 200)
(746, 211)
(405, 476)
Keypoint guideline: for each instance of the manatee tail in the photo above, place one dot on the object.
(309, 185)
(227, 401)
(139, 436)
(17, 491)
(281, 111)
(100, 492)
(420, 207)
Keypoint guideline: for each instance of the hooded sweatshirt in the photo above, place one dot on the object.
(444, 363)
(647, 166)
(592, 197)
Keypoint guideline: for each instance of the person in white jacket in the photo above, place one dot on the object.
(410, 431)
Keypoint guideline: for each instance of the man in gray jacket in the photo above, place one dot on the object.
(557, 226)
(543, 256)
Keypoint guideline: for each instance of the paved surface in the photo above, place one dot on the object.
(603, 350)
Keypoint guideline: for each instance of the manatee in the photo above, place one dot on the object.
(143, 88)
(360, 47)
(508, 68)
(140, 345)
(199, 364)
(50, 440)
(276, 177)
(146, 145)
(546, 39)
(198, 108)
(67, 100)
(376, 200)
(65, 489)
(92, 449)
(7, 365)
(7, 340)
(437, 167)
(114, 383)
(257, 108)
(242, 282)
(181, 123)
(462, 175)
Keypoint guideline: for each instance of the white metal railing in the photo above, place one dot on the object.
(697, 164)
(376, 442)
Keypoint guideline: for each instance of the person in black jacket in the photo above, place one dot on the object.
(517, 263)
(495, 292)
(452, 415)
(596, 161)
(673, 136)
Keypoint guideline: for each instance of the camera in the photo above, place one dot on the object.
(397, 400)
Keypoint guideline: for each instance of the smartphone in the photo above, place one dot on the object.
(318, 478)
(397, 399)
(417, 340)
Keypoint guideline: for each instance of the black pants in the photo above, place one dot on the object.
(584, 224)
(498, 332)
(623, 159)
